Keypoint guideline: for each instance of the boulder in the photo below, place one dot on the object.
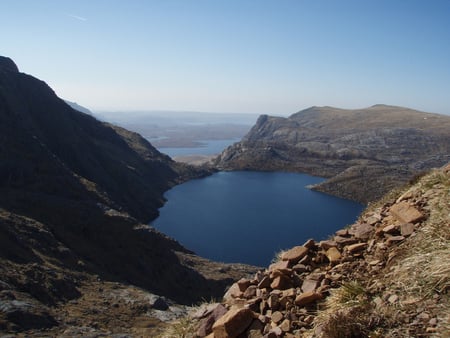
(233, 323)
(307, 298)
(406, 229)
(281, 282)
(295, 254)
(354, 248)
(206, 324)
(333, 255)
(406, 213)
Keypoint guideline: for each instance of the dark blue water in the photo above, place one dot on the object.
(247, 217)
(208, 147)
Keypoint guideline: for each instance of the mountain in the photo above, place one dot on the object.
(363, 153)
(386, 275)
(79, 108)
(75, 197)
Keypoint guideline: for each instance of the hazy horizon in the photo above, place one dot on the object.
(266, 57)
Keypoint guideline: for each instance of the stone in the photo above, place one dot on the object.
(394, 239)
(281, 264)
(233, 323)
(285, 326)
(325, 245)
(233, 292)
(333, 255)
(273, 301)
(361, 230)
(281, 283)
(250, 292)
(345, 240)
(278, 332)
(243, 284)
(310, 244)
(406, 229)
(264, 283)
(160, 304)
(295, 254)
(390, 229)
(307, 298)
(299, 268)
(392, 299)
(406, 213)
(342, 232)
(309, 285)
(206, 324)
(277, 317)
(353, 248)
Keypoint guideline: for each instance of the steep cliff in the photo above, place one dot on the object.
(364, 153)
(74, 193)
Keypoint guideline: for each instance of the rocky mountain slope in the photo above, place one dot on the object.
(387, 275)
(384, 143)
(74, 195)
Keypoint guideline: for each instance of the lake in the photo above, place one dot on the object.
(207, 147)
(247, 217)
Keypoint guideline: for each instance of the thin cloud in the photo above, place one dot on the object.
(77, 17)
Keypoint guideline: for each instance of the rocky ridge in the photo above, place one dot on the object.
(389, 144)
(387, 275)
(76, 195)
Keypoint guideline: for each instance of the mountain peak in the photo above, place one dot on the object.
(7, 64)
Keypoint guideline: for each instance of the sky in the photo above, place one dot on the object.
(246, 56)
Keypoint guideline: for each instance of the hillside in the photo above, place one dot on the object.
(75, 195)
(387, 144)
(386, 275)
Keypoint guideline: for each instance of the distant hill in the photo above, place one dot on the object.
(363, 152)
(74, 195)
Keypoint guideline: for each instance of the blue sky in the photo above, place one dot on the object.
(259, 56)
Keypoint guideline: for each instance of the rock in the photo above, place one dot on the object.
(361, 230)
(273, 301)
(243, 284)
(277, 317)
(295, 254)
(281, 264)
(309, 285)
(255, 329)
(342, 232)
(160, 304)
(281, 282)
(406, 213)
(233, 292)
(277, 331)
(394, 239)
(265, 283)
(206, 324)
(390, 229)
(233, 323)
(333, 255)
(356, 247)
(406, 229)
(392, 299)
(344, 240)
(307, 298)
(325, 245)
(310, 244)
(250, 292)
(285, 326)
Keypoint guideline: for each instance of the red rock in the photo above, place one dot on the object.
(390, 229)
(361, 230)
(281, 264)
(394, 239)
(342, 232)
(344, 240)
(281, 283)
(310, 244)
(309, 285)
(233, 292)
(233, 323)
(406, 213)
(356, 247)
(250, 292)
(243, 284)
(265, 283)
(333, 255)
(295, 254)
(406, 229)
(307, 298)
(206, 324)
(325, 245)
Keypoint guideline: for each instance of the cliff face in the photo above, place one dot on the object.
(386, 143)
(73, 194)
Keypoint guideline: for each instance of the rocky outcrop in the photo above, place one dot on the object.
(351, 277)
(384, 143)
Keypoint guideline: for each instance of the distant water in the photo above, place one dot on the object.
(247, 217)
(208, 147)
